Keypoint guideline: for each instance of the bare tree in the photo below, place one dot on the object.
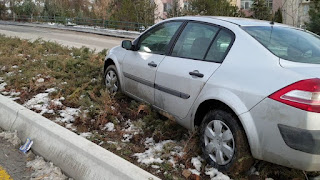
(134, 11)
(102, 10)
(176, 9)
(292, 11)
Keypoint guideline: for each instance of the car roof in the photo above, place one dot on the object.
(235, 20)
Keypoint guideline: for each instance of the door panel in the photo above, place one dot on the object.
(176, 89)
(139, 68)
(196, 55)
(139, 76)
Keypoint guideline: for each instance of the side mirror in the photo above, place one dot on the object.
(126, 44)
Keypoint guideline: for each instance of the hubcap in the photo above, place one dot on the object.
(111, 81)
(219, 142)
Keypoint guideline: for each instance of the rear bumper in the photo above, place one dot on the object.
(300, 139)
(286, 135)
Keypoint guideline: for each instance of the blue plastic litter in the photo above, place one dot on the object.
(27, 146)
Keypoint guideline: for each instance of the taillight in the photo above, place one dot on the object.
(303, 94)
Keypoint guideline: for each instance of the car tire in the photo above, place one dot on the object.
(224, 143)
(111, 79)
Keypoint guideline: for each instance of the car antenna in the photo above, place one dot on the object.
(272, 21)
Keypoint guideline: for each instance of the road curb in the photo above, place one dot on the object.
(78, 157)
(98, 31)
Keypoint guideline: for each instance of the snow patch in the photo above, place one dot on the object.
(11, 137)
(40, 80)
(107, 30)
(130, 130)
(194, 171)
(197, 162)
(71, 126)
(154, 153)
(129, 127)
(3, 86)
(9, 74)
(45, 170)
(215, 174)
(68, 115)
(86, 134)
(56, 102)
(111, 142)
(109, 127)
(127, 137)
(13, 95)
(51, 90)
(155, 166)
(40, 103)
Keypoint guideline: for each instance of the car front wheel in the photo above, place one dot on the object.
(111, 79)
(224, 143)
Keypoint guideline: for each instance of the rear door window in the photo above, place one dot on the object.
(194, 41)
(220, 46)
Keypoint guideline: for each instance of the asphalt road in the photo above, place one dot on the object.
(12, 162)
(67, 38)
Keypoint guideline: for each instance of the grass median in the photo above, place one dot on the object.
(65, 85)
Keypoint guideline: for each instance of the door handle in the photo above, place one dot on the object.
(152, 64)
(196, 73)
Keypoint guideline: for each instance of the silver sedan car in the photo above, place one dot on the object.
(252, 87)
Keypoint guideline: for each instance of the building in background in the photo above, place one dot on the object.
(246, 5)
(164, 6)
(296, 12)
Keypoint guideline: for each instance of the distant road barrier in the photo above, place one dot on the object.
(130, 26)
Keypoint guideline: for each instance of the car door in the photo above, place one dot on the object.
(140, 66)
(196, 55)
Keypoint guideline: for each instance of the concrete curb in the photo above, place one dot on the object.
(76, 156)
(98, 31)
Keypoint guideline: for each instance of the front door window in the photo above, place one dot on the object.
(156, 41)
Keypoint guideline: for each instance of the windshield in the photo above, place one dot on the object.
(287, 43)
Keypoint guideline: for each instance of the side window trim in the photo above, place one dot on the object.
(228, 49)
(175, 38)
(211, 43)
(216, 35)
(138, 40)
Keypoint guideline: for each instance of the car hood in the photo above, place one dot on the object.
(306, 69)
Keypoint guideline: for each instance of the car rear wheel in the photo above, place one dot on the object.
(224, 143)
(111, 79)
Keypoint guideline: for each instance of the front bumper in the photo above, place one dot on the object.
(286, 135)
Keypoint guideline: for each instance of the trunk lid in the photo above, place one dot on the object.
(306, 69)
